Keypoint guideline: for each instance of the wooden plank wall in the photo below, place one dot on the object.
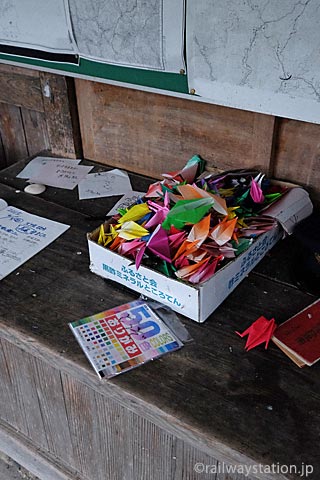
(82, 429)
(145, 132)
(297, 154)
(151, 134)
(36, 113)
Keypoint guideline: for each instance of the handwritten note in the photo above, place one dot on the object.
(126, 201)
(33, 167)
(104, 184)
(23, 235)
(61, 174)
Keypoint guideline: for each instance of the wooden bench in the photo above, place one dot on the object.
(210, 404)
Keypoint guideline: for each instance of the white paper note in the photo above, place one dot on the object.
(256, 55)
(126, 201)
(23, 235)
(104, 184)
(61, 174)
(44, 25)
(133, 34)
(37, 163)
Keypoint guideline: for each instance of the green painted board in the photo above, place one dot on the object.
(174, 82)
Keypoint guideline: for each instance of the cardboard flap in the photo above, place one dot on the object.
(3, 204)
(294, 206)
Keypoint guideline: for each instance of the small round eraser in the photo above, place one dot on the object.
(35, 188)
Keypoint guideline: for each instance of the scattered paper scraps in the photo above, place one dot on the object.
(299, 337)
(61, 174)
(33, 167)
(23, 235)
(122, 338)
(188, 228)
(260, 331)
(126, 201)
(104, 184)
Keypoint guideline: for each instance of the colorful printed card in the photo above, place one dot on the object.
(123, 338)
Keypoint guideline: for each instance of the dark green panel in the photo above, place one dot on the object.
(147, 78)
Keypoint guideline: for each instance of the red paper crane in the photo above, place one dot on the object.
(259, 332)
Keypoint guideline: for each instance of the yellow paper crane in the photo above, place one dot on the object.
(130, 230)
(135, 213)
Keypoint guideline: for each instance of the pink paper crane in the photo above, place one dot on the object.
(255, 189)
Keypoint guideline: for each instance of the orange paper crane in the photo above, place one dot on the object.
(259, 332)
(224, 231)
(189, 192)
(200, 231)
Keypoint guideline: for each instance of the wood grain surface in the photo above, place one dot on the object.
(37, 112)
(12, 133)
(297, 155)
(212, 396)
(18, 87)
(151, 134)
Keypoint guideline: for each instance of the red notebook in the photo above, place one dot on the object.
(299, 337)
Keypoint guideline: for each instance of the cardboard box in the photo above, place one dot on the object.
(198, 301)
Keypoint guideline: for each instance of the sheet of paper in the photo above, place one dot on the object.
(142, 34)
(252, 55)
(104, 184)
(116, 171)
(44, 25)
(37, 163)
(23, 235)
(126, 201)
(61, 174)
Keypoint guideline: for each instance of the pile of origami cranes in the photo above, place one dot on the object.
(191, 224)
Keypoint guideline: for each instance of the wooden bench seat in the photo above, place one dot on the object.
(209, 403)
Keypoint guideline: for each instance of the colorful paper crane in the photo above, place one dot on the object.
(259, 332)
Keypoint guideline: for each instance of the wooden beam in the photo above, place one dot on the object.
(84, 91)
(12, 133)
(297, 154)
(28, 457)
(3, 162)
(35, 129)
(58, 115)
(5, 68)
(262, 146)
(20, 89)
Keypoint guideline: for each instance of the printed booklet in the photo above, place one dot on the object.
(299, 337)
(123, 338)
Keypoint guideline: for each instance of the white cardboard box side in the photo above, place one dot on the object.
(177, 295)
(198, 301)
(228, 278)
